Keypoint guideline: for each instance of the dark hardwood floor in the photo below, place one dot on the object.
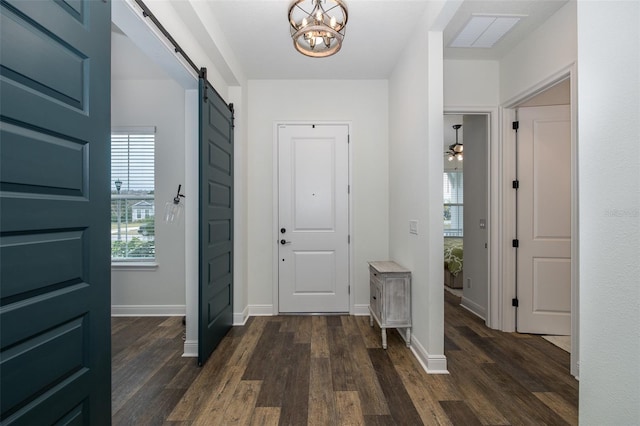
(332, 370)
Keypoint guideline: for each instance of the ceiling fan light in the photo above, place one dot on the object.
(455, 149)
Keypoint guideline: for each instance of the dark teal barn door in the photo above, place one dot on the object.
(216, 220)
(55, 360)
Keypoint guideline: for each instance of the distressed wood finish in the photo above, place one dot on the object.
(332, 370)
(390, 298)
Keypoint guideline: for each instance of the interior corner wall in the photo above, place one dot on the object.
(415, 184)
(609, 206)
(363, 103)
(157, 103)
(549, 50)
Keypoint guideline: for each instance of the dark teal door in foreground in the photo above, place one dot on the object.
(55, 357)
(216, 220)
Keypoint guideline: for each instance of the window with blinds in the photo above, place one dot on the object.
(132, 194)
(453, 190)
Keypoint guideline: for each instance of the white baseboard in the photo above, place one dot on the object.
(190, 349)
(360, 310)
(148, 310)
(241, 317)
(473, 307)
(432, 364)
(260, 310)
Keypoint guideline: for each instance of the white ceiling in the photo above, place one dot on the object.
(258, 33)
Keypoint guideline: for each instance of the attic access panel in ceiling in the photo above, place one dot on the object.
(484, 31)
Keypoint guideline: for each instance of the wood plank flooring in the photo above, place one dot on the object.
(332, 370)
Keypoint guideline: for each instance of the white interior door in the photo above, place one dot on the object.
(313, 218)
(544, 220)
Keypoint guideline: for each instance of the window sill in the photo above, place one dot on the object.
(134, 266)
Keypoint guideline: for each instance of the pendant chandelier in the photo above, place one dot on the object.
(317, 26)
(455, 150)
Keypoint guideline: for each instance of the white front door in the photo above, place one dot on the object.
(313, 254)
(544, 220)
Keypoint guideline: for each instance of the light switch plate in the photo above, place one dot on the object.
(413, 227)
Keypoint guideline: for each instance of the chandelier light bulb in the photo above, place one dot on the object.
(332, 22)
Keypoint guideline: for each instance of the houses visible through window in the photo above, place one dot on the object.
(453, 204)
(132, 194)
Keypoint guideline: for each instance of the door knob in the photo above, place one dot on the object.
(283, 241)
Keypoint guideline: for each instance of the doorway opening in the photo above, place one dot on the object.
(466, 212)
(152, 86)
(543, 217)
(559, 89)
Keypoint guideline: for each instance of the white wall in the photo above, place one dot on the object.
(476, 208)
(471, 83)
(157, 103)
(415, 186)
(549, 50)
(362, 103)
(609, 111)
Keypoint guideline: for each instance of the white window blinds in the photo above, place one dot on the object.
(453, 191)
(133, 161)
(132, 194)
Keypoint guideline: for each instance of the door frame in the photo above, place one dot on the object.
(130, 19)
(494, 284)
(507, 115)
(275, 225)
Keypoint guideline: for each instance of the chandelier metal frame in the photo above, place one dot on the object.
(317, 31)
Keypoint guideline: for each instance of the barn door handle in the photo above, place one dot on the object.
(283, 242)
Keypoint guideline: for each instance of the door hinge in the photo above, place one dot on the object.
(515, 243)
(515, 125)
(348, 138)
(348, 239)
(514, 302)
(348, 189)
(349, 289)
(515, 184)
